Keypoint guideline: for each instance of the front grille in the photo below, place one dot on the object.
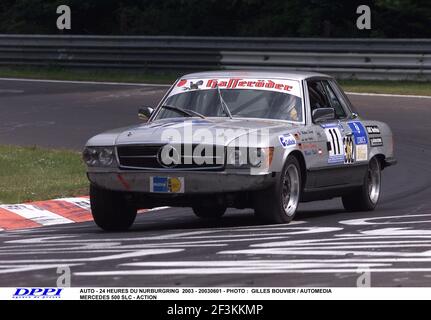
(148, 157)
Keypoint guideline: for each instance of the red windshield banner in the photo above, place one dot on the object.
(277, 85)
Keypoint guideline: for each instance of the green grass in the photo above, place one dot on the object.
(103, 75)
(391, 87)
(32, 173)
(55, 73)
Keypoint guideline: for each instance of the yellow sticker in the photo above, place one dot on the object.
(348, 148)
(361, 152)
(174, 185)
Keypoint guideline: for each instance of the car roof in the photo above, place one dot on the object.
(293, 75)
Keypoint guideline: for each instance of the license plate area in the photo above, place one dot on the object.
(166, 184)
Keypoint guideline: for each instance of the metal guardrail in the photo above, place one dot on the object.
(345, 58)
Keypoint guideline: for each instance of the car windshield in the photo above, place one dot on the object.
(244, 103)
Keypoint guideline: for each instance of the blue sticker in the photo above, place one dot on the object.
(287, 140)
(329, 125)
(336, 159)
(200, 121)
(160, 184)
(308, 152)
(359, 132)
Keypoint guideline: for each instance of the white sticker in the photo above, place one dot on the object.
(362, 152)
(167, 184)
(287, 140)
(376, 142)
(336, 153)
(278, 85)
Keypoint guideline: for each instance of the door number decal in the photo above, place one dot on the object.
(336, 145)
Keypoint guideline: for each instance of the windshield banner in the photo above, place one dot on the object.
(278, 85)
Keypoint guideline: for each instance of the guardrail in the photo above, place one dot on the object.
(395, 59)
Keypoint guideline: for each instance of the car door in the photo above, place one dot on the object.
(325, 170)
(355, 135)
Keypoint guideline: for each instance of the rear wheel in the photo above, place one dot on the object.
(111, 210)
(366, 197)
(278, 204)
(213, 212)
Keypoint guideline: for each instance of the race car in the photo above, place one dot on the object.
(220, 139)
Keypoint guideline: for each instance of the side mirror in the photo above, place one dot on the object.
(145, 113)
(323, 114)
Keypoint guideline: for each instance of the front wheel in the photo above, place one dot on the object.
(365, 198)
(111, 210)
(278, 204)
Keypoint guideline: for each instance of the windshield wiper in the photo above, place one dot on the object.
(185, 112)
(223, 104)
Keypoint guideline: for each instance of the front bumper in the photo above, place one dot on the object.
(194, 182)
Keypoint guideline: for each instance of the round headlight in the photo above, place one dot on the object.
(236, 157)
(255, 157)
(106, 156)
(90, 156)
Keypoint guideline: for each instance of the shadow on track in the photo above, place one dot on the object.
(171, 219)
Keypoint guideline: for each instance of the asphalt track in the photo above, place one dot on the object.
(323, 247)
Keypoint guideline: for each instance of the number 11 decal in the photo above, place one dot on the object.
(335, 144)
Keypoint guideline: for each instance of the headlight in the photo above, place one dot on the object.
(255, 157)
(90, 156)
(106, 157)
(236, 157)
(249, 157)
(98, 156)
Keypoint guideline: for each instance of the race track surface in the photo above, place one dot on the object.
(323, 247)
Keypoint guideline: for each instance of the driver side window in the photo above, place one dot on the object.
(322, 95)
(335, 103)
(317, 95)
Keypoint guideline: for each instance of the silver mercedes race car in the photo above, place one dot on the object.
(261, 140)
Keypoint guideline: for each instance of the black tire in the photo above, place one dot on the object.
(269, 205)
(365, 198)
(111, 210)
(213, 212)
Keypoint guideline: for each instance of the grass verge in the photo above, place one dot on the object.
(388, 87)
(102, 75)
(33, 173)
(52, 73)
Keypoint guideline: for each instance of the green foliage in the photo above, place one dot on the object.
(278, 18)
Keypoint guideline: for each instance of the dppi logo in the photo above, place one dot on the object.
(38, 293)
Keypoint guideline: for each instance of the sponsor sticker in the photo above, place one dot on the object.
(373, 129)
(376, 142)
(308, 152)
(287, 140)
(278, 85)
(362, 152)
(167, 184)
(349, 156)
(358, 132)
(329, 125)
(335, 144)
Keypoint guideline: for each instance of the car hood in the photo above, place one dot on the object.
(188, 130)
